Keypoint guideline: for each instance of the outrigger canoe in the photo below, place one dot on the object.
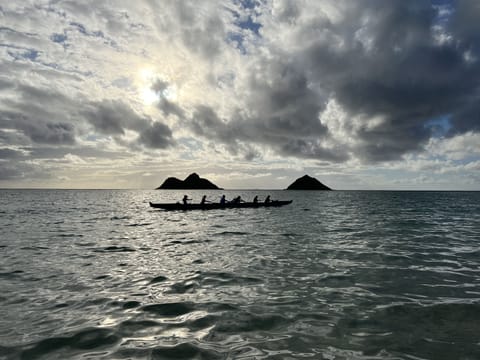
(211, 206)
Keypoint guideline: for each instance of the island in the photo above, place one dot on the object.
(193, 181)
(307, 183)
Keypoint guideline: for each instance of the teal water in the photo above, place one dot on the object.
(335, 275)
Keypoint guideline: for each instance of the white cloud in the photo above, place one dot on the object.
(456, 148)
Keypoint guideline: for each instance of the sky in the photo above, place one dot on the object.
(363, 94)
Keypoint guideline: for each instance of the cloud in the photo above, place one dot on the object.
(9, 171)
(157, 136)
(14, 171)
(375, 61)
(112, 117)
(200, 27)
(465, 146)
(381, 60)
(319, 82)
(162, 89)
(37, 113)
(115, 117)
(466, 118)
(6, 153)
(51, 133)
(38, 128)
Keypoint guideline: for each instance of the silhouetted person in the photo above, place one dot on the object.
(185, 200)
(255, 199)
(223, 200)
(237, 200)
(267, 199)
(204, 200)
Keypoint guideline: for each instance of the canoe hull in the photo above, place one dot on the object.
(212, 206)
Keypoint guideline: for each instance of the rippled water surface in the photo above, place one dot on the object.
(334, 275)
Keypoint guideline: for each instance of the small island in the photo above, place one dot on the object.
(307, 183)
(192, 182)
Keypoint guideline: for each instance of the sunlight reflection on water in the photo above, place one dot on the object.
(333, 275)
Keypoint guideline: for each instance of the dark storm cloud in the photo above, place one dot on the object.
(205, 122)
(465, 25)
(280, 135)
(114, 117)
(286, 104)
(157, 136)
(37, 113)
(282, 113)
(390, 140)
(310, 149)
(399, 72)
(467, 118)
(51, 133)
(37, 128)
(396, 61)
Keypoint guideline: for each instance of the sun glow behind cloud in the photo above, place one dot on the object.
(147, 77)
(150, 91)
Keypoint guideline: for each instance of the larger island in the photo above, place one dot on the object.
(192, 181)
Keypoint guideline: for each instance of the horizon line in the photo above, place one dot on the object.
(239, 189)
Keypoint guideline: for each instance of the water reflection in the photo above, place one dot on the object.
(341, 274)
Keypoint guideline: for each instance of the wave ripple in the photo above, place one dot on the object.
(360, 275)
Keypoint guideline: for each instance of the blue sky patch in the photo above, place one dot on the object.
(27, 54)
(236, 39)
(439, 126)
(58, 38)
(249, 24)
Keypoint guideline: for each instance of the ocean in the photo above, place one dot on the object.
(98, 274)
